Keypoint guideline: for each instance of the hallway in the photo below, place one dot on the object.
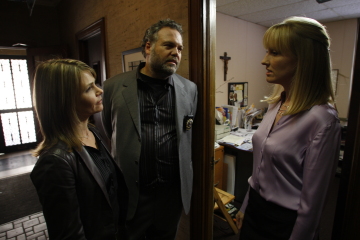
(21, 217)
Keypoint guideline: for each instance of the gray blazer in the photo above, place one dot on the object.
(121, 120)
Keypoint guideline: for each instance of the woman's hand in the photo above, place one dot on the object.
(239, 219)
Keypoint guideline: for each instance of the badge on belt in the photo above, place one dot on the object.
(188, 122)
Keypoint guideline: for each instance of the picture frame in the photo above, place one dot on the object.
(238, 94)
(131, 59)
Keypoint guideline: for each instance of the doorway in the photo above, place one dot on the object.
(91, 46)
(91, 49)
(349, 171)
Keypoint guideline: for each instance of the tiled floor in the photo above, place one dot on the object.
(26, 228)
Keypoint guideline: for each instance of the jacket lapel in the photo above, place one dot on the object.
(182, 105)
(94, 171)
(131, 98)
(103, 142)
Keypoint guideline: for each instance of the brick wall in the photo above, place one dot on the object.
(125, 24)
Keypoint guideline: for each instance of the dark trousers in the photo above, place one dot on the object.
(265, 220)
(157, 214)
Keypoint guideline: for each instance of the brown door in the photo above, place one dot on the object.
(91, 46)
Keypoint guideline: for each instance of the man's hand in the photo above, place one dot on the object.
(239, 219)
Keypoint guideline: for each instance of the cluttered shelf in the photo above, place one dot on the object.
(238, 117)
(236, 125)
(239, 139)
(234, 130)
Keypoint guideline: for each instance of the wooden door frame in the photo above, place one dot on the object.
(92, 30)
(347, 215)
(202, 23)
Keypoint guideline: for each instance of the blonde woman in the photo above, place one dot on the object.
(296, 147)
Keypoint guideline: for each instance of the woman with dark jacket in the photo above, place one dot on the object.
(80, 187)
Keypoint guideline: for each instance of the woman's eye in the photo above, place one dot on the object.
(91, 86)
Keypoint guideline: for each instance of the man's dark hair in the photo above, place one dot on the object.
(151, 33)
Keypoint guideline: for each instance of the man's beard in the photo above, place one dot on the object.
(160, 67)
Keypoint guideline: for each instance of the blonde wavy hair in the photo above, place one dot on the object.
(308, 41)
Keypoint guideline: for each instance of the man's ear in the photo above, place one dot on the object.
(147, 48)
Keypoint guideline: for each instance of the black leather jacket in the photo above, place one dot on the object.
(73, 195)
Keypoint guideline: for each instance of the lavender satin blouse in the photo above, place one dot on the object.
(295, 161)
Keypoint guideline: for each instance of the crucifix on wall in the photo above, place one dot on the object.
(226, 60)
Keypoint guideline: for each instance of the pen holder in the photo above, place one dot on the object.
(248, 124)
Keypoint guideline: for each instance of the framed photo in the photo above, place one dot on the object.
(238, 94)
(131, 59)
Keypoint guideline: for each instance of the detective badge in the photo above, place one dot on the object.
(188, 122)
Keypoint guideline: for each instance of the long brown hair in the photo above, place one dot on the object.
(56, 91)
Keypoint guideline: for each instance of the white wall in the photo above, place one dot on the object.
(342, 49)
(243, 43)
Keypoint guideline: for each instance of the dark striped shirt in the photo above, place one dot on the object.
(107, 170)
(159, 160)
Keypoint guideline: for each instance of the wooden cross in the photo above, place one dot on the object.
(226, 59)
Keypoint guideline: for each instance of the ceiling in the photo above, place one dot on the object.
(268, 12)
(51, 3)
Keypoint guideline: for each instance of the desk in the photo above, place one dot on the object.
(219, 167)
(244, 164)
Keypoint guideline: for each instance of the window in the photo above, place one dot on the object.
(16, 109)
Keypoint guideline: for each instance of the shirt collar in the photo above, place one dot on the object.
(170, 80)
